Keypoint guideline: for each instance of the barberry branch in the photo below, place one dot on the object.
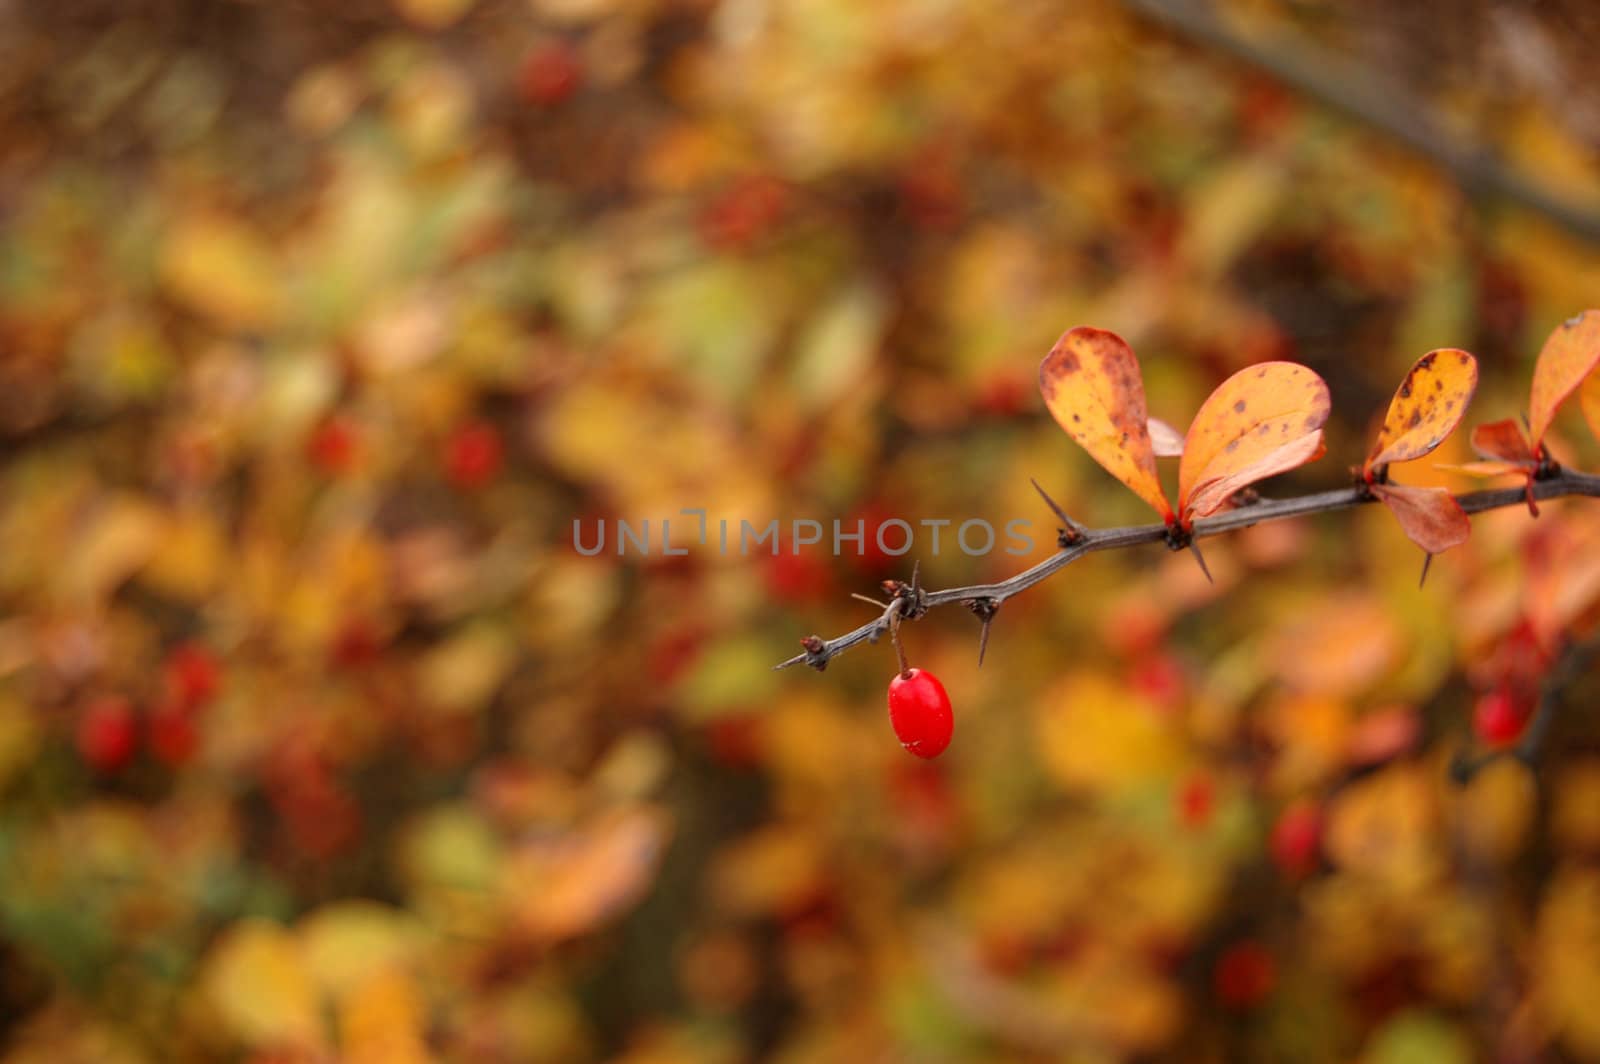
(909, 602)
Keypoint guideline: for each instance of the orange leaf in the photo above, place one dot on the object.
(1425, 409)
(1503, 440)
(1566, 358)
(1260, 421)
(1430, 517)
(1589, 399)
(1091, 384)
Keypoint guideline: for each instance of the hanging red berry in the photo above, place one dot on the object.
(107, 734)
(919, 710)
(1499, 718)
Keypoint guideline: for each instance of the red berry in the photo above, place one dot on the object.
(173, 735)
(332, 447)
(107, 734)
(1296, 839)
(357, 643)
(551, 73)
(1499, 719)
(473, 455)
(1197, 800)
(919, 710)
(744, 212)
(1245, 974)
(192, 676)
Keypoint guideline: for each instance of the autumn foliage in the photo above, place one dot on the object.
(323, 326)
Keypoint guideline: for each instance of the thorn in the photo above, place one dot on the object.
(870, 601)
(984, 609)
(1071, 531)
(1194, 545)
(1427, 560)
(1533, 507)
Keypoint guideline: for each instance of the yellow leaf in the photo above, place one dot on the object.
(349, 943)
(1262, 420)
(1566, 966)
(257, 980)
(567, 887)
(1095, 735)
(1091, 385)
(119, 540)
(1427, 406)
(221, 269)
(382, 1022)
(461, 675)
(1565, 360)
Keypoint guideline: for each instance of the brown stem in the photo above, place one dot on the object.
(1563, 483)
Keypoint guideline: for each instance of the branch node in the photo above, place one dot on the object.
(1070, 531)
(816, 652)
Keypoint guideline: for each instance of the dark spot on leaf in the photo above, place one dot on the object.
(1425, 361)
(1066, 361)
(1233, 445)
(1405, 389)
(1238, 407)
(1415, 420)
(1463, 357)
(1076, 419)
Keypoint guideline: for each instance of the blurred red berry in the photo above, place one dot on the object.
(551, 73)
(474, 455)
(1296, 840)
(737, 740)
(1003, 394)
(173, 735)
(743, 212)
(1245, 975)
(107, 734)
(1158, 676)
(357, 643)
(1499, 719)
(332, 447)
(1197, 800)
(930, 189)
(192, 675)
(797, 579)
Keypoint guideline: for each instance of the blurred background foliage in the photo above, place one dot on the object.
(320, 325)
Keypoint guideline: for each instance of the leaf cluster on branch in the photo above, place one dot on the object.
(1263, 420)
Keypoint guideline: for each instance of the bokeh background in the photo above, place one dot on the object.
(321, 324)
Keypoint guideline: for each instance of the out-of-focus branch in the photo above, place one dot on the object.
(1361, 94)
(911, 602)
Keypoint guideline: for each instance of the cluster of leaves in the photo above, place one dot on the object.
(1267, 419)
(319, 741)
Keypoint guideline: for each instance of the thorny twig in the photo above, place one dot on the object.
(910, 603)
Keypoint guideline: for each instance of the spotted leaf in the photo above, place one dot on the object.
(1091, 385)
(1425, 409)
(1260, 421)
